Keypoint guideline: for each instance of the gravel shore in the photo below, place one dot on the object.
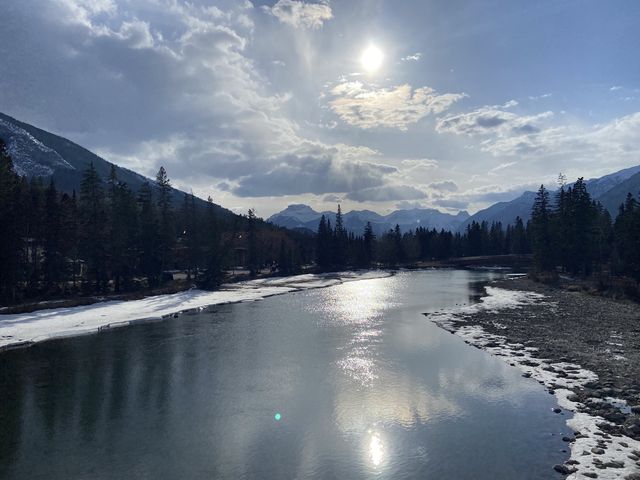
(597, 333)
(583, 348)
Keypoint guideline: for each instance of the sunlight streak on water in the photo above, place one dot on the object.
(375, 449)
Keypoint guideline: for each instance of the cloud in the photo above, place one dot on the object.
(504, 132)
(395, 107)
(451, 203)
(332, 198)
(301, 14)
(444, 186)
(502, 166)
(615, 88)
(412, 58)
(386, 193)
(408, 205)
(540, 97)
(318, 174)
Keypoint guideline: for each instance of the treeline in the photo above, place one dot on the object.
(108, 238)
(336, 249)
(576, 234)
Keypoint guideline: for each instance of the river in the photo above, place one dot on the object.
(350, 381)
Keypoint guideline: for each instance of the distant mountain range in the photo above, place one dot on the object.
(37, 153)
(304, 217)
(609, 190)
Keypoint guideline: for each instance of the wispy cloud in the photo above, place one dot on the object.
(301, 14)
(412, 58)
(395, 107)
(540, 97)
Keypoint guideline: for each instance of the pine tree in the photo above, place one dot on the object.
(11, 238)
(53, 264)
(543, 247)
(339, 242)
(252, 244)
(368, 240)
(149, 235)
(92, 212)
(166, 239)
(214, 251)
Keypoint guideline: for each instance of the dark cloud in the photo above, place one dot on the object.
(444, 186)
(292, 175)
(451, 203)
(386, 193)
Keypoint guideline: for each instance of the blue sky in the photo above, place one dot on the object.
(265, 104)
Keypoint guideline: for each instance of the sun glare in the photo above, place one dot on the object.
(371, 58)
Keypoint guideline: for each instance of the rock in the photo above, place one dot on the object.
(573, 398)
(624, 444)
(635, 409)
(632, 476)
(557, 410)
(597, 451)
(572, 462)
(616, 417)
(526, 375)
(568, 439)
(614, 464)
(590, 474)
(564, 469)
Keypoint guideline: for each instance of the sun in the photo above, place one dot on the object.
(371, 58)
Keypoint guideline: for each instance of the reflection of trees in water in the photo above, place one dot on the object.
(12, 395)
(73, 395)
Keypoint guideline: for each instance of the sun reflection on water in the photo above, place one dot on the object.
(375, 449)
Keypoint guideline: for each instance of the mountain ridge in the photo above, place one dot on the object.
(38, 153)
(301, 216)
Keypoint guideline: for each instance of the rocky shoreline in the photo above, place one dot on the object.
(583, 349)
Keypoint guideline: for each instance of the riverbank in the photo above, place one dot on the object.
(25, 329)
(582, 348)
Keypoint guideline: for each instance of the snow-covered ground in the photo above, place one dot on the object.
(28, 328)
(586, 450)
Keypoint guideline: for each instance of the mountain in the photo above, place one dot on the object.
(304, 217)
(505, 212)
(38, 153)
(610, 190)
(612, 199)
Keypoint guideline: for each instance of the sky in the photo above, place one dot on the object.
(373, 104)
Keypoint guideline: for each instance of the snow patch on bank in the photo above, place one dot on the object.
(28, 328)
(593, 451)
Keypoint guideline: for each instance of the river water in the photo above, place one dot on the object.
(350, 381)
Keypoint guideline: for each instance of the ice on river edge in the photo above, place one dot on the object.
(27, 328)
(558, 377)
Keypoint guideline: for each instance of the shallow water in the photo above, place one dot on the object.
(364, 385)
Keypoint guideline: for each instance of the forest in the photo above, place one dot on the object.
(108, 239)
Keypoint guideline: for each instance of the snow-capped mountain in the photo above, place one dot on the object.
(38, 153)
(304, 217)
(30, 156)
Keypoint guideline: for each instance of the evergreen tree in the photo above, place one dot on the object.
(543, 246)
(166, 231)
(11, 238)
(368, 243)
(339, 242)
(252, 244)
(92, 212)
(52, 248)
(149, 236)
